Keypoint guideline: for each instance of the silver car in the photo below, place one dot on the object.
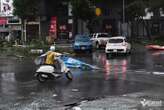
(117, 44)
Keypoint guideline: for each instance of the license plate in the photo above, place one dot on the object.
(82, 48)
(44, 76)
(114, 50)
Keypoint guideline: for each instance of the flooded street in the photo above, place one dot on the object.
(141, 72)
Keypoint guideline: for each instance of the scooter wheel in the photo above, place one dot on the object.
(69, 75)
(40, 78)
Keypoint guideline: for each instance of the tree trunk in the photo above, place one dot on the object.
(75, 25)
(23, 38)
(146, 25)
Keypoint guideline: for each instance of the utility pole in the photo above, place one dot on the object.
(25, 31)
(123, 13)
(39, 31)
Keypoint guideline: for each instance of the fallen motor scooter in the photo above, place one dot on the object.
(45, 72)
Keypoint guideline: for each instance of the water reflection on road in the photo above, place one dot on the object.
(112, 66)
(117, 75)
(14, 72)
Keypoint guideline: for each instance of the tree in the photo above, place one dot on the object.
(26, 9)
(82, 9)
(137, 7)
(135, 10)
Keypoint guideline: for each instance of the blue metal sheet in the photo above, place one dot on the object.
(69, 62)
(74, 63)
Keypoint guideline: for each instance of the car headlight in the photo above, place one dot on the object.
(76, 44)
(89, 43)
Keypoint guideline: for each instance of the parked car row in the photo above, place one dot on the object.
(82, 43)
(112, 45)
(100, 39)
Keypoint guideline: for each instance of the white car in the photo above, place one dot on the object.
(100, 39)
(117, 44)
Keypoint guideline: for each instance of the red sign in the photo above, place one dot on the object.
(53, 25)
(3, 21)
(63, 28)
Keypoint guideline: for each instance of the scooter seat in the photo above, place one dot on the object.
(56, 72)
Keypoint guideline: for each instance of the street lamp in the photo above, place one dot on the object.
(123, 13)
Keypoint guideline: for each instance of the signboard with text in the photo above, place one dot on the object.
(6, 8)
(53, 27)
(3, 21)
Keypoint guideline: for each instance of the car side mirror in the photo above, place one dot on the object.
(72, 41)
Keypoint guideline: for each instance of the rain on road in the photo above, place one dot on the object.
(117, 75)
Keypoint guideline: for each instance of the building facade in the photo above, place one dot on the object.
(61, 11)
(10, 26)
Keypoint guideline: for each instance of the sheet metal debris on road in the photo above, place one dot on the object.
(74, 63)
(70, 62)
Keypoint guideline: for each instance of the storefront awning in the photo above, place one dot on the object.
(3, 21)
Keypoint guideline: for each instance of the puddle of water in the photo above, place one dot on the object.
(158, 73)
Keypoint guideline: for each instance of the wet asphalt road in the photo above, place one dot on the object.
(140, 72)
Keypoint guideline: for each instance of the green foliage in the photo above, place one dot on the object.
(135, 9)
(26, 8)
(156, 3)
(36, 43)
(158, 41)
(19, 51)
(82, 9)
(4, 44)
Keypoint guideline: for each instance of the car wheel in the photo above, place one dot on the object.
(90, 51)
(128, 52)
(76, 51)
(69, 75)
(97, 45)
(40, 78)
(107, 54)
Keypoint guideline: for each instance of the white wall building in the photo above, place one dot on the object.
(6, 8)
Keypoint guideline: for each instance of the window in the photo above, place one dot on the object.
(116, 40)
(103, 35)
(14, 21)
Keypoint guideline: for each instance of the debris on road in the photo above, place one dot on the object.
(74, 63)
(19, 56)
(76, 108)
(54, 95)
(72, 104)
(158, 73)
(36, 51)
(154, 47)
(75, 90)
(70, 63)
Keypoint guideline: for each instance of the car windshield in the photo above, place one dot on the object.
(103, 35)
(115, 41)
(82, 38)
